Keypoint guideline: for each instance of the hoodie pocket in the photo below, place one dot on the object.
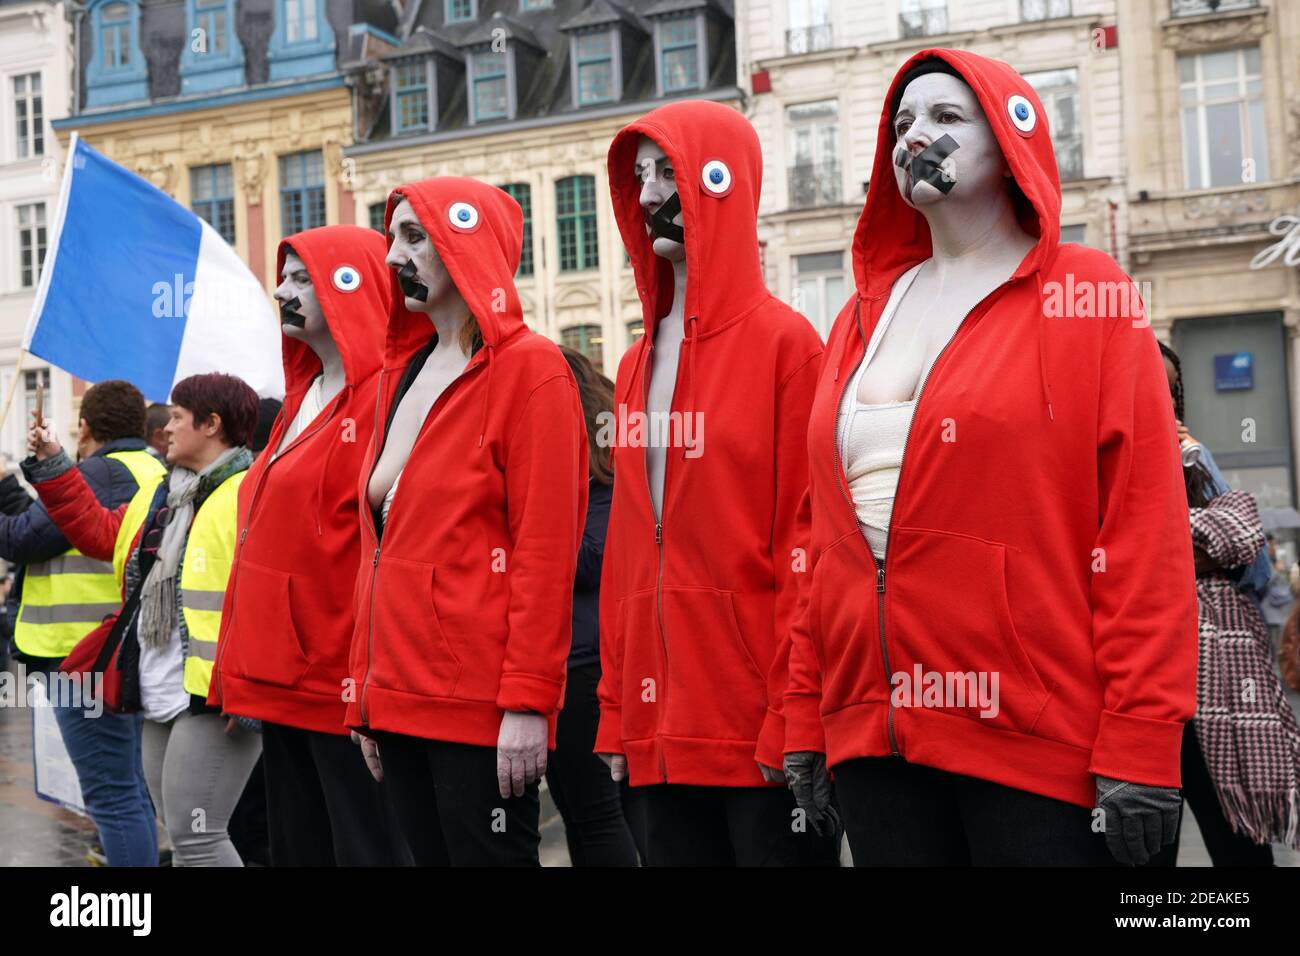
(637, 625)
(715, 691)
(411, 653)
(263, 644)
(952, 640)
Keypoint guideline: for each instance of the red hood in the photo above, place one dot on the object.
(725, 278)
(482, 260)
(351, 316)
(892, 236)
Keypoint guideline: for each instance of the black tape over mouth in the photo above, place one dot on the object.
(927, 165)
(288, 315)
(410, 287)
(661, 221)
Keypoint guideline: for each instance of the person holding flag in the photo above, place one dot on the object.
(287, 622)
(175, 548)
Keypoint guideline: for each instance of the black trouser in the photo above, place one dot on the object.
(903, 814)
(323, 807)
(730, 826)
(447, 805)
(588, 799)
(1225, 847)
(248, 827)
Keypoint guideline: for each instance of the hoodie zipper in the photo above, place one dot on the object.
(659, 526)
(880, 568)
(252, 502)
(370, 517)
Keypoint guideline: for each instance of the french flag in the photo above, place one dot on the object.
(135, 286)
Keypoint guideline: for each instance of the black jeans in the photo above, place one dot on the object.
(589, 801)
(903, 814)
(447, 805)
(730, 826)
(1225, 847)
(323, 807)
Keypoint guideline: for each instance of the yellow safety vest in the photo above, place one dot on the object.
(209, 555)
(67, 597)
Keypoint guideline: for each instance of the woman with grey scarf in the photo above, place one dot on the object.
(196, 760)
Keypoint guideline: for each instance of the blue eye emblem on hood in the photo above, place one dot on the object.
(715, 177)
(346, 279)
(1022, 114)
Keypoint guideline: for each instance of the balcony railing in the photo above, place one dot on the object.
(1196, 8)
(924, 23)
(814, 184)
(808, 39)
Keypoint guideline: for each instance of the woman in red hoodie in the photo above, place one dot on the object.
(476, 492)
(288, 618)
(708, 526)
(988, 652)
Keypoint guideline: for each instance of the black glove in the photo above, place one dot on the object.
(14, 499)
(1139, 819)
(807, 777)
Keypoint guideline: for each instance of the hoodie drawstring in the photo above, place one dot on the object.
(692, 340)
(1042, 353)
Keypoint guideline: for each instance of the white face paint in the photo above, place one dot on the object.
(295, 282)
(937, 104)
(654, 170)
(411, 243)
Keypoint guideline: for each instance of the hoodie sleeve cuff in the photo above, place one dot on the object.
(1138, 750)
(803, 724)
(609, 732)
(771, 740)
(528, 692)
(38, 471)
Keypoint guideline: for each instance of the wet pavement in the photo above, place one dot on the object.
(34, 832)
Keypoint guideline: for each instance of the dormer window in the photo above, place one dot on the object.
(116, 72)
(302, 43)
(423, 72)
(213, 58)
(597, 68)
(679, 53)
(459, 11)
(412, 82)
(491, 90)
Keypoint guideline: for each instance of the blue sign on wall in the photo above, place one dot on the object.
(1234, 371)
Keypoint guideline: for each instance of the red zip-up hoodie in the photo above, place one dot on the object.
(464, 607)
(287, 622)
(1039, 529)
(696, 609)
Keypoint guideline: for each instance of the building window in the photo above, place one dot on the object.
(586, 339)
(376, 211)
(819, 288)
(810, 26)
(210, 17)
(923, 18)
(1044, 9)
(635, 329)
(679, 53)
(116, 72)
(523, 194)
(41, 377)
(302, 192)
(29, 116)
(299, 21)
(212, 196)
(31, 243)
(1222, 97)
(458, 11)
(814, 154)
(1196, 8)
(302, 43)
(593, 58)
(1059, 91)
(535, 4)
(411, 96)
(115, 35)
(1074, 233)
(212, 58)
(491, 99)
(575, 204)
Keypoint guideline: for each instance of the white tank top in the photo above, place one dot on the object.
(871, 438)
